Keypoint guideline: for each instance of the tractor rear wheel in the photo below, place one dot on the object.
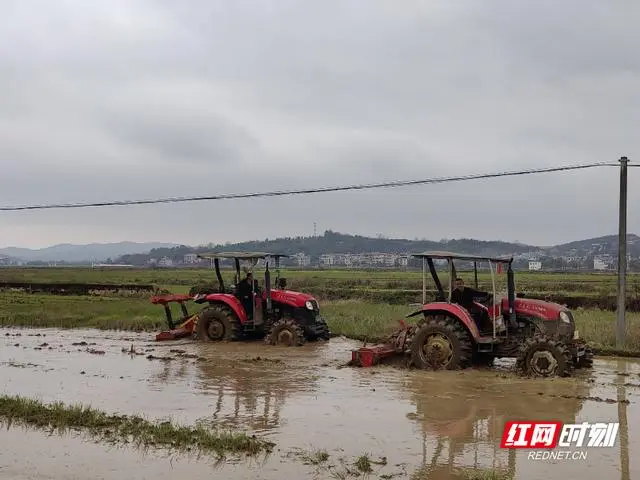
(285, 332)
(441, 342)
(215, 324)
(543, 356)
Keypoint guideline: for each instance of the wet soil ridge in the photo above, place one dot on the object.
(127, 429)
(341, 467)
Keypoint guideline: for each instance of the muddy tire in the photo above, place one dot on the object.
(543, 356)
(285, 332)
(441, 342)
(325, 335)
(215, 324)
(586, 361)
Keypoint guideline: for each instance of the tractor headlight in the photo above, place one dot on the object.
(564, 316)
(309, 305)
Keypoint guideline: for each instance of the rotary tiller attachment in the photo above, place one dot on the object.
(396, 345)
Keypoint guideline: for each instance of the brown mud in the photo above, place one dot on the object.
(325, 420)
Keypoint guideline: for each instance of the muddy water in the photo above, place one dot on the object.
(427, 424)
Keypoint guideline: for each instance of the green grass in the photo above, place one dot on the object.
(190, 276)
(463, 474)
(19, 309)
(383, 286)
(126, 429)
(355, 319)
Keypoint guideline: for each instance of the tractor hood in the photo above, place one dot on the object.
(538, 308)
(295, 299)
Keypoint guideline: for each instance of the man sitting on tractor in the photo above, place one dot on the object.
(465, 297)
(245, 289)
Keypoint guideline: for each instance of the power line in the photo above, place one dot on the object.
(400, 183)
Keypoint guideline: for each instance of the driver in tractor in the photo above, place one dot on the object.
(465, 297)
(245, 289)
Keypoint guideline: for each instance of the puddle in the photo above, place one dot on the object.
(429, 422)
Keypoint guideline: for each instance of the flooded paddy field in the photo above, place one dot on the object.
(403, 423)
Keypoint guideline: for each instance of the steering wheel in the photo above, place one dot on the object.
(487, 300)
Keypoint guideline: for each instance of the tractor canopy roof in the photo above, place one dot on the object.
(241, 255)
(461, 256)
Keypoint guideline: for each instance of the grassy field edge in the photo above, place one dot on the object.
(357, 320)
(126, 429)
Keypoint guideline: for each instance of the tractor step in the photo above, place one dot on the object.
(486, 340)
(486, 343)
(370, 356)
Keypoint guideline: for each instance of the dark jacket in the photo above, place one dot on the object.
(243, 288)
(467, 296)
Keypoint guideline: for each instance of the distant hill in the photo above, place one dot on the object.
(329, 242)
(339, 243)
(332, 242)
(95, 252)
(607, 245)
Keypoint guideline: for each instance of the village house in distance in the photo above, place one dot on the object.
(333, 250)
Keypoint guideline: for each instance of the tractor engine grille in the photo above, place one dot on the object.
(316, 307)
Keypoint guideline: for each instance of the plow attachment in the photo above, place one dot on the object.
(186, 323)
(395, 346)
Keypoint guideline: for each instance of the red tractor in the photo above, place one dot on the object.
(540, 335)
(279, 316)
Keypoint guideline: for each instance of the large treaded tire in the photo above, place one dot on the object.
(215, 324)
(450, 331)
(285, 332)
(586, 361)
(555, 351)
(325, 335)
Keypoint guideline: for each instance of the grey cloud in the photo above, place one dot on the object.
(138, 99)
(187, 137)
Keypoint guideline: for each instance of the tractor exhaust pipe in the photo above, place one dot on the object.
(267, 286)
(216, 263)
(511, 295)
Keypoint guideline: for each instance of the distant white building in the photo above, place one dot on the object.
(165, 262)
(535, 265)
(600, 264)
(301, 259)
(191, 258)
(327, 259)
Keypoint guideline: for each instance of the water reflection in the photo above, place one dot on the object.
(251, 392)
(623, 435)
(463, 420)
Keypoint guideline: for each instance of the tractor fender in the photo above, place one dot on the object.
(452, 310)
(230, 301)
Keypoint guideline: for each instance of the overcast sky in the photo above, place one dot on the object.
(134, 99)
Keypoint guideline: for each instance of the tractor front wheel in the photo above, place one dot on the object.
(215, 324)
(543, 356)
(441, 342)
(285, 332)
(586, 361)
